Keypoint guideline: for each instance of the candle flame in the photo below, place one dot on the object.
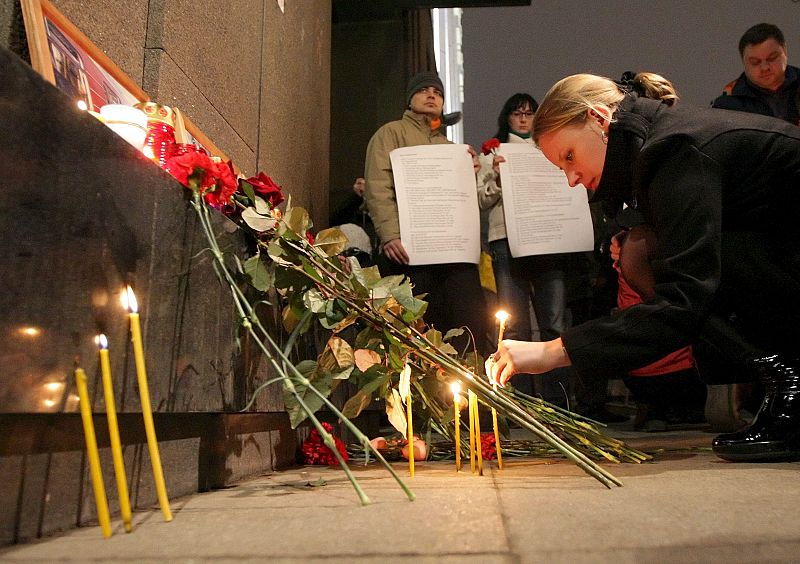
(147, 151)
(455, 387)
(502, 315)
(101, 341)
(49, 402)
(29, 331)
(128, 299)
(54, 386)
(82, 105)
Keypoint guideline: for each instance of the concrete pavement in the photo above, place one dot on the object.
(688, 506)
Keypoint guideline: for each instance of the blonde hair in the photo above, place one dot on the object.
(570, 99)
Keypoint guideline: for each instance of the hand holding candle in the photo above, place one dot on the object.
(502, 317)
(129, 303)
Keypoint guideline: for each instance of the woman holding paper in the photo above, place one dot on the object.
(722, 192)
(520, 281)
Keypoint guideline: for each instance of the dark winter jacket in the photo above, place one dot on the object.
(742, 95)
(695, 174)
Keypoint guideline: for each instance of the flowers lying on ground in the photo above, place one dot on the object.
(488, 447)
(315, 451)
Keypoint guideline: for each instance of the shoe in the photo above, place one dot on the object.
(774, 435)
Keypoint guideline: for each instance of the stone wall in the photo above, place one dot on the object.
(254, 79)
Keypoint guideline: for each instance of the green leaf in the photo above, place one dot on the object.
(259, 274)
(361, 399)
(396, 412)
(331, 241)
(322, 381)
(454, 333)
(315, 301)
(247, 188)
(262, 206)
(256, 221)
(415, 308)
(297, 221)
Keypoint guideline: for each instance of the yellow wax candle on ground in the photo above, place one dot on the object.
(478, 450)
(94, 457)
(147, 414)
(456, 388)
(470, 403)
(497, 437)
(410, 436)
(113, 433)
(129, 302)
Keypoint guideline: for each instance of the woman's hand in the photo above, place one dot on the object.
(395, 251)
(513, 357)
(496, 160)
(476, 164)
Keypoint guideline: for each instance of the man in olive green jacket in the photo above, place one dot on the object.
(454, 294)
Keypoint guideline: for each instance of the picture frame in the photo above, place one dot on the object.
(69, 60)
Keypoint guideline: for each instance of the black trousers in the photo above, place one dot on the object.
(455, 299)
(756, 310)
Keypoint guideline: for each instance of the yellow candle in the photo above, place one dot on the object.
(410, 436)
(113, 433)
(94, 456)
(456, 388)
(144, 394)
(478, 449)
(501, 316)
(470, 402)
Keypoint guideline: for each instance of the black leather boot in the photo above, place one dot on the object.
(775, 433)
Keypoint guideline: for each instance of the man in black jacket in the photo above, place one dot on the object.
(768, 85)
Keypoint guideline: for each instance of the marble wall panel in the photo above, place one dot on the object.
(166, 83)
(216, 44)
(118, 29)
(295, 102)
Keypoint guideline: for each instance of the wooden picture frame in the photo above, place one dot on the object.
(66, 58)
(69, 60)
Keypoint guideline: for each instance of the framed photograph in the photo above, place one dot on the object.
(68, 59)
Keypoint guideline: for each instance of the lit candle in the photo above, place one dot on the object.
(113, 433)
(456, 389)
(94, 457)
(405, 394)
(129, 303)
(502, 317)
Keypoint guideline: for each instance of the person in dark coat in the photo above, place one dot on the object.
(769, 85)
(722, 193)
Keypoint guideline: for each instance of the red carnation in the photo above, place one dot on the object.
(197, 171)
(194, 170)
(265, 187)
(488, 450)
(310, 237)
(316, 452)
(490, 146)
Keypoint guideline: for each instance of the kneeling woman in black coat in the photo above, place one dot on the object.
(722, 192)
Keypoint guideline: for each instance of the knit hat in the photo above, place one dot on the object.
(420, 81)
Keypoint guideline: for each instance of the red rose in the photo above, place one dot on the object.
(490, 146)
(265, 187)
(310, 237)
